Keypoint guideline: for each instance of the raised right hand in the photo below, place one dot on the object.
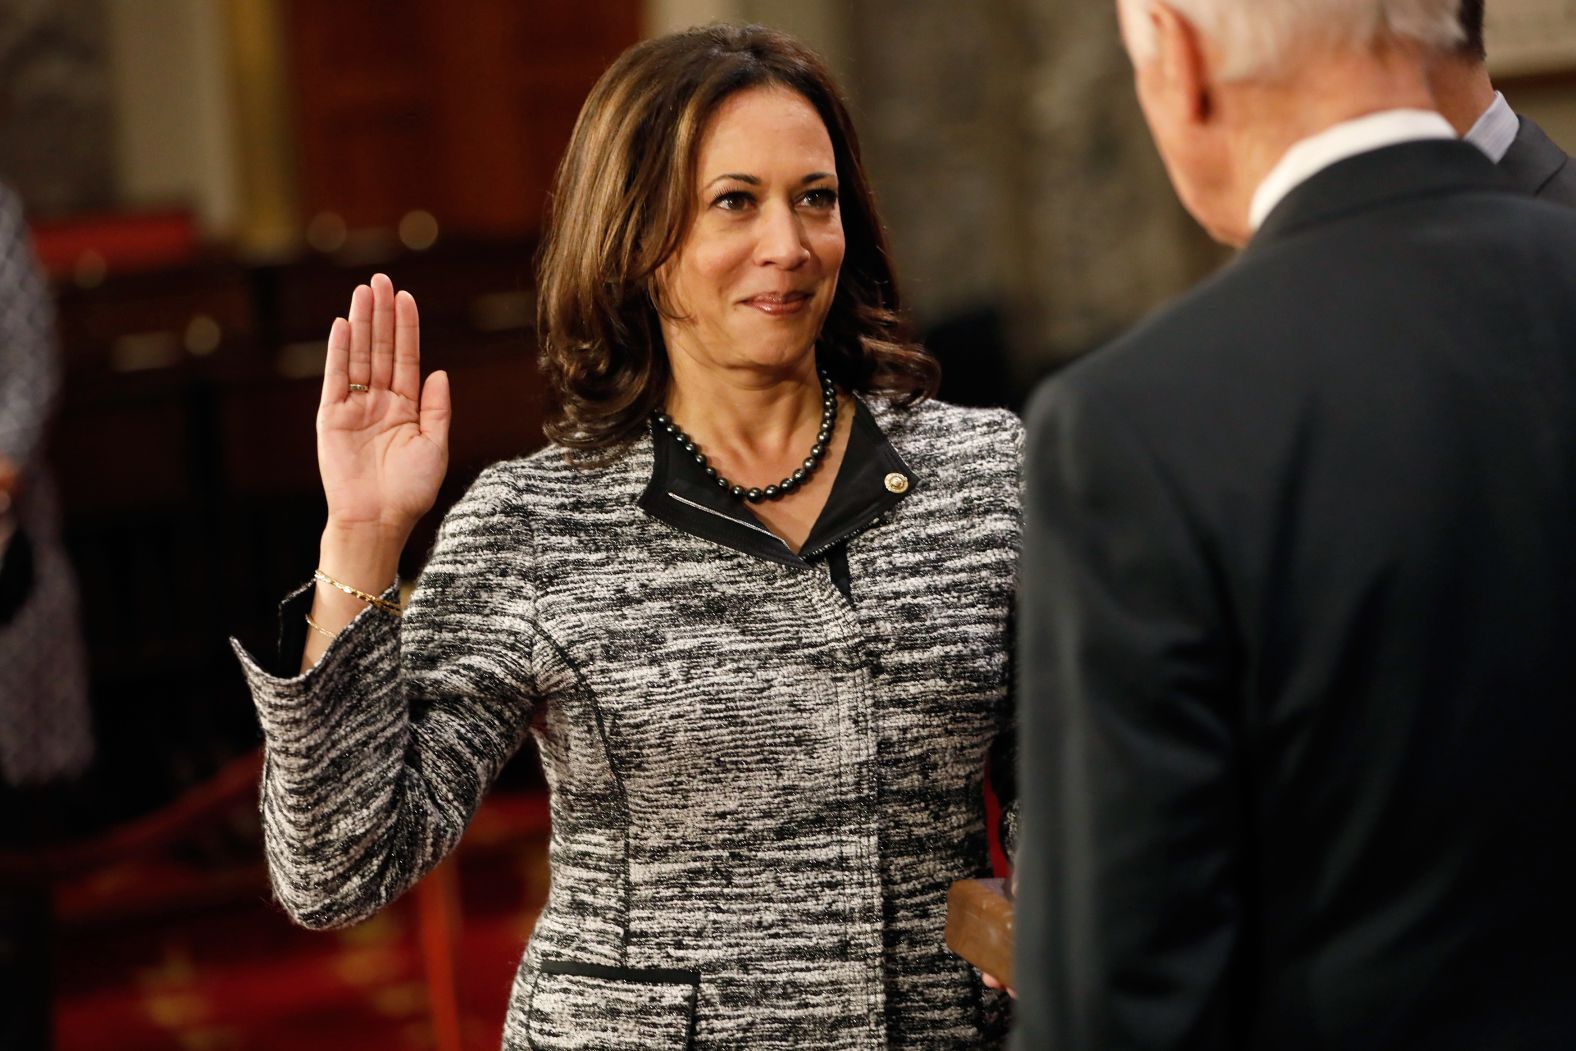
(382, 452)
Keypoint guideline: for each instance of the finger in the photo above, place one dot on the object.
(992, 982)
(382, 331)
(336, 366)
(407, 347)
(435, 410)
(360, 370)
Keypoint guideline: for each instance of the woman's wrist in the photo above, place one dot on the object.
(361, 555)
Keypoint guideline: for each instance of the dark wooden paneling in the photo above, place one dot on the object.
(190, 482)
(364, 116)
(462, 108)
(157, 320)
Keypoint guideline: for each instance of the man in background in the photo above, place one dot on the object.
(1299, 582)
(1466, 96)
(46, 739)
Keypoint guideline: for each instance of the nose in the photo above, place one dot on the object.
(782, 239)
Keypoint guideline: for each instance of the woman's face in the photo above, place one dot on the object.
(755, 274)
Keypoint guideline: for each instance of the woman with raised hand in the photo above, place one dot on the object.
(752, 600)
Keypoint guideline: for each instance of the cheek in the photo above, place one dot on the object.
(691, 280)
(1160, 130)
(829, 246)
(717, 265)
(1143, 87)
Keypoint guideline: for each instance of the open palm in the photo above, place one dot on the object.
(382, 450)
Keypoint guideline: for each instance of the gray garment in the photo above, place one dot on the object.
(29, 369)
(1539, 166)
(760, 790)
(45, 732)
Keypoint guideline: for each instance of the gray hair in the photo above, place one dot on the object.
(1255, 37)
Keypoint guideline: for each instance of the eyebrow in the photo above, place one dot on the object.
(753, 180)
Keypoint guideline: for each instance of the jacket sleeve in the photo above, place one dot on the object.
(29, 368)
(377, 757)
(1132, 841)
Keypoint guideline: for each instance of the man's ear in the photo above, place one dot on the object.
(1183, 61)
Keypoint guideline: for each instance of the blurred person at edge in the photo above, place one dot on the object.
(46, 741)
(1465, 94)
(1299, 578)
(752, 601)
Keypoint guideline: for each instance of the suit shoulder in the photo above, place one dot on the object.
(1175, 341)
(939, 431)
(975, 454)
(1538, 166)
(933, 419)
(1309, 300)
(555, 472)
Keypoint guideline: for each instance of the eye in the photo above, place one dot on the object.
(733, 200)
(821, 198)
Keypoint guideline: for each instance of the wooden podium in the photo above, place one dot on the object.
(979, 925)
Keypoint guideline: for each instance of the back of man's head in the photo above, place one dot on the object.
(1258, 37)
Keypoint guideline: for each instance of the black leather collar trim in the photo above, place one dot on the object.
(860, 494)
(681, 495)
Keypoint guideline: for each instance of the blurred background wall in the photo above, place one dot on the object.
(208, 179)
(1003, 137)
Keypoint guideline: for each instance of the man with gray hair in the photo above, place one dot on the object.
(1298, 592)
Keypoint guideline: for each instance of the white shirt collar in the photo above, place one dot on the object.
(1347, 139)
(1495, 130)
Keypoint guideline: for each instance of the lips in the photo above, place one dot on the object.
(779, 303)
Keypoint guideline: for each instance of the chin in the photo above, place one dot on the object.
(779, 358)
(778, 346)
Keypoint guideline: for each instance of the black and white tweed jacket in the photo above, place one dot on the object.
(761, 787)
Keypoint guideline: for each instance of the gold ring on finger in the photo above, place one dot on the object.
(358, 388)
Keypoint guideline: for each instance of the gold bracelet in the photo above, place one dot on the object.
(372, 600)
(315, 626)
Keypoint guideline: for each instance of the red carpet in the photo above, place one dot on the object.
(163, 955)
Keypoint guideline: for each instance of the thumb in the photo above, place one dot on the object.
(435, 410)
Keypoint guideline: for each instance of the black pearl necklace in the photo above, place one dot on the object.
(787, 485)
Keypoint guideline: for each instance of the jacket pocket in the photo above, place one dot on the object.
(586, 1005)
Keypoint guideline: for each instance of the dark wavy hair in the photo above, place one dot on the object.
(623, 199)
(1472, 26)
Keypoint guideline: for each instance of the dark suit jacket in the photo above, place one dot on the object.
(1539, 167)
(1298, 692)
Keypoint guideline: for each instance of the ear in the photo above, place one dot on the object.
(1183, 62)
